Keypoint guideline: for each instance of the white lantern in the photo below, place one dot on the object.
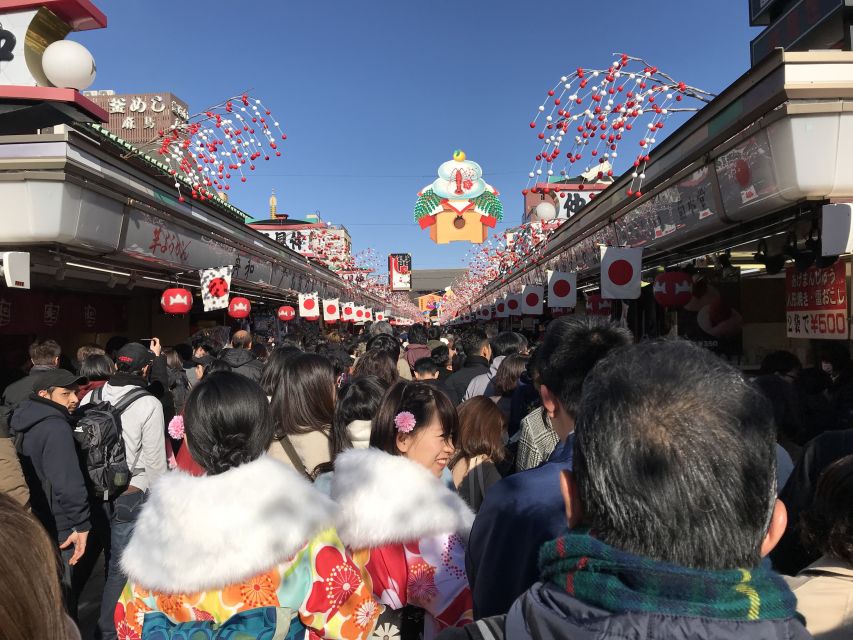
(544, 211)
(68, 64)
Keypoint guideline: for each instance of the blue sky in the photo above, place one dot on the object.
(374, 95)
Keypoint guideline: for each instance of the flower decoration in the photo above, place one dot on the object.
(405, 421)
(176, 428)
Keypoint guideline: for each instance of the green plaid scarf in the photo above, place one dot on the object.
(602, 576)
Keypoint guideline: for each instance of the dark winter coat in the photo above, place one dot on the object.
(473, 367)
(415, 352)
(21, 389)
(546, 612)
(49, 458)
(244, 362)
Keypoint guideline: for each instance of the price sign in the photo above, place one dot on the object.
(816, 302)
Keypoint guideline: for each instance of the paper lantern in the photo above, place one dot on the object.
(68, 65)
(673, 289)
(286, 313)
(598, 306)
(239, 308)
(176, 301)
(544, 212)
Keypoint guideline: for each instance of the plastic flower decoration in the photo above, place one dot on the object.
(176, 428)
(405, 421)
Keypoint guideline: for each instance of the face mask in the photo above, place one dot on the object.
(826, 367)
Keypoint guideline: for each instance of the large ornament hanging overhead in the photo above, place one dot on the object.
(590, 113)
(459, 205)
(219, 145)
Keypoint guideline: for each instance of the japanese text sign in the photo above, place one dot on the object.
(816, 302)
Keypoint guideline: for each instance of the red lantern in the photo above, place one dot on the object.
(239, 308)
(598, 306)
(286, 314)
(743, 174)
(176, 301)
(673, 289)
(312, 319)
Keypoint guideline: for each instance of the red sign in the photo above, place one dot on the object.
(816, 302)
(48, 313)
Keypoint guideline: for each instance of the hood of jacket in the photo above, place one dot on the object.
(199, 533)
(359, 433)
(546, 612)
(387, 499)
(34, 410)
(237, 357)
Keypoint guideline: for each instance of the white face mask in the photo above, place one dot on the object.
(826, 367)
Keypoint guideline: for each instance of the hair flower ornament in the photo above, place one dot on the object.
(176, 427)
(405, 421)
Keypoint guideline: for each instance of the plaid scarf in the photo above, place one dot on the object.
(602, 576)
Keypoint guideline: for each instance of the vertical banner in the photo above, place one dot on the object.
(309, 305)
(532, 299)
(816, 302)
(400, 271)
(562, 289)
(348, 312)
(500, 308)
(513, 303)
(216, 287)
(621, 273)
(331, 310)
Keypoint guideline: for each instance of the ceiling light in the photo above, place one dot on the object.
(101, 269)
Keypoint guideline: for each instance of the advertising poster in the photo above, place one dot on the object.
(400, 271)
(816, 302)
(712, 318)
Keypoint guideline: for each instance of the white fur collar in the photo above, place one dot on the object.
(387, 499)
(359, 433)
(203, 533)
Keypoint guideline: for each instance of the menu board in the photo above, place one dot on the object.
(816, 302)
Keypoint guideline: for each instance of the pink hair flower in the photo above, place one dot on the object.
(405, 421)
(176, 428)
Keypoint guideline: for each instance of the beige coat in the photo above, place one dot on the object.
(11, 477)
(312, 448)
(824, 593)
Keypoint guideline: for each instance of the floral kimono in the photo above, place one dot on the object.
(251, 552)
(406, 531)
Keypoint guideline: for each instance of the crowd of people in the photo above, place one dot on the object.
(420, 483)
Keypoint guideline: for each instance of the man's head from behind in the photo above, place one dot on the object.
(508, 343)
(425, 369)
(571, 348)
(475, 343)
(134, 358)
(241, 340)
(674, 459)
(45, 353)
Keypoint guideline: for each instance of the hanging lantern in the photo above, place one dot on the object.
(286, 314)
(673, 289)
(176, 301)
(598, 306)
(239, 308)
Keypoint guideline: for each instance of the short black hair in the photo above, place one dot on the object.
(473, 341)
(425, 366)
(827, 526)
(441, 355)
(434, 333)
(97, 367)
(387, 343)
(228, 422)
(675, 457)
(570, 350)
(417, 334)
(421, 400)
(781, 362)
(507, 343)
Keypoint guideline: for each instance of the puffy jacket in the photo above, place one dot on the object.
(49, 459)
(546, 612)
(244, 362)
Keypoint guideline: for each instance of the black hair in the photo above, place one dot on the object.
(227, 421)
(386, 343)
(569, 351)
(425, 366)
(827, 526)
(417, 334)
(185, 351)
(383, 326)
(114, 344)
(509, 372)
(340, 359)
(834, 353)
(260, 351)
(273, 373)
(97, 367)
(507, 343)
(434, 333)
(473, 341)
(359, 399)
(376, 362)
(781, 362)
(421, 400)
(209, 349)
(218, 365)
(305, 400)
(441, 356)
(675, 457)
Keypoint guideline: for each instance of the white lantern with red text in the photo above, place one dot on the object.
(239, 308)
(176, 301)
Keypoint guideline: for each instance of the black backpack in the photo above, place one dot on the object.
(98, 432)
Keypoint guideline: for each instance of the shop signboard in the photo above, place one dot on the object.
(140, 117)
(52, 313)
(816, 302)
(400, 271)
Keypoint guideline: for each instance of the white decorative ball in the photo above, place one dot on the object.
(69, 65)
(545, 211)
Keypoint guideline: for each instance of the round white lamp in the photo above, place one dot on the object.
(544, 212)
(69, 65)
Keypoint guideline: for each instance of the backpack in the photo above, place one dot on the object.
(98, 432)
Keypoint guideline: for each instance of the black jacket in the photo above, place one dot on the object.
(545, 612)
(21, 389)
(459, 381)
(49, 458)
(244, 362)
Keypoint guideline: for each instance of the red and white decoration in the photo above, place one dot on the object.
(380, 316)
(286, 313)
(532, 299)
(176, 301)
(331, 310)
(359, 314)
(673, 289)
(485, 313)
(215, 287)
(621, 273)
(513, 304)
(368, 314)
(501, 310)
(239, 308)
(598, 306)
(309, 306)
(562, 289)
(348, 312)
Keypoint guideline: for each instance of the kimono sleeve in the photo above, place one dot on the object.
(437, 581)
